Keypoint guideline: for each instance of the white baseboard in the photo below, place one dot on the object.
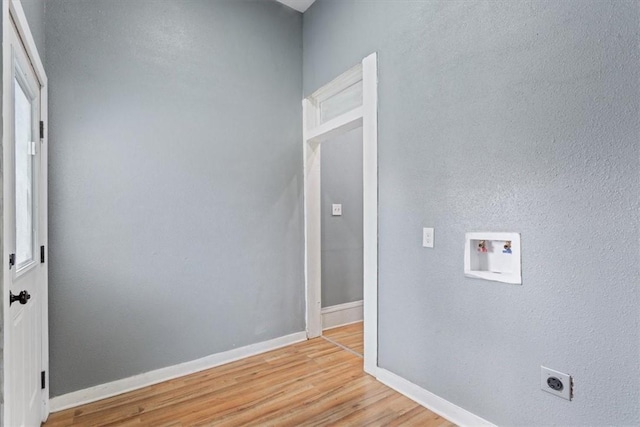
(434, 403)
(124, 385)
(341, 314)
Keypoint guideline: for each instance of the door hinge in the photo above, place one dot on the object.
(12, 260)
(41, 129)
(41, 254)
(43, 380)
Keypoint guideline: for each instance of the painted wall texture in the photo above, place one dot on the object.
(341, 182)
(503, 116)
(175, 182)
(34, 11)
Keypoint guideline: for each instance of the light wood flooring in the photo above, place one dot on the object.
(350, 336)
(313, 383)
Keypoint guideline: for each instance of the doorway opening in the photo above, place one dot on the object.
(342, 243)
(346, 103)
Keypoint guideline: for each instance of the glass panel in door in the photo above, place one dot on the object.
(24, 159)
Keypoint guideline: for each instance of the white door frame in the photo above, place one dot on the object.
(314, 132)
(12, 11)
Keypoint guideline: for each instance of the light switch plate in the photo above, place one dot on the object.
(336, 209)
(427, 237)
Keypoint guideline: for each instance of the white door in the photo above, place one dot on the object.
(24, 178)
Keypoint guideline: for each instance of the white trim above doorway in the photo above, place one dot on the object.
(314, 132)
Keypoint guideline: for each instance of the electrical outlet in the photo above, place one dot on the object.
(336, 210)
(427, 237)
(557, 383)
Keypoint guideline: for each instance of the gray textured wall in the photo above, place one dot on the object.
(341, 182)
(175, 182)
(34, 11)
(505, 116)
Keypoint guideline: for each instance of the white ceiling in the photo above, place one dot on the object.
(299, 5)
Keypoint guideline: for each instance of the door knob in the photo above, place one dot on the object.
(23, 297)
